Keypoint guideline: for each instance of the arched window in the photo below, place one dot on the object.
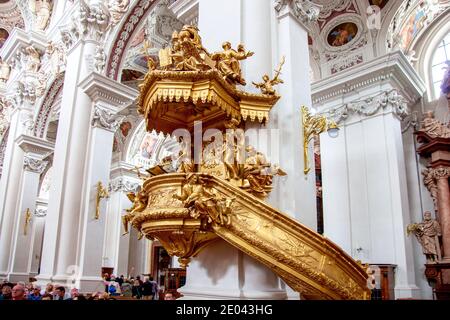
(439, 64)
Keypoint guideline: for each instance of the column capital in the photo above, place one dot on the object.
(305, 11)
(34, 165)
(106, 119)
(441, 173)
(108, 97)
(123, 184)
(387, 100)
(88, 22)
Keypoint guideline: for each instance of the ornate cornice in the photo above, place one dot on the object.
(370, 106)
(34, 165)
(305, 11)
(122, 184)
(393, 69)
(106, 119)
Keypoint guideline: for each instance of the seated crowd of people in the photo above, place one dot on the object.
(114, 288)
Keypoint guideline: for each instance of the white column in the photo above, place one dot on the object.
(38, 236)
(116, 243)
(11, 177)
(292, 42)
(365, 194)
(92, 230)
(36, 150)
(73, 239)
(220, 21)
(62, 226)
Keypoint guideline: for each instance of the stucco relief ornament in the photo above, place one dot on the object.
(123, 185)
(34, 165)
(99, 59)
(41, 10)
(117, 9)
(55, 54)
(433, 127)
(304, 10)
(4, 121)
(32, 59)
(91, 21)
(5, 71)
(106, 119)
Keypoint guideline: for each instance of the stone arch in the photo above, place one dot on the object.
(43, 114)
(124, 34)
(391, 10)
(425, 47)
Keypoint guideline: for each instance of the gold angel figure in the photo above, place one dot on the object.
(267, 85)
(139, 200)
(228, 62)
(151, 64)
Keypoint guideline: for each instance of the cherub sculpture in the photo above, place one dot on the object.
(151, 64)
(139, 200)
(267, 85)
(228, 62)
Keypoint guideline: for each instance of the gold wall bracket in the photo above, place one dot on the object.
(314, 125)
(28, 217)
(101, 194)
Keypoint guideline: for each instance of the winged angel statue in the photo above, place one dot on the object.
(267, 85)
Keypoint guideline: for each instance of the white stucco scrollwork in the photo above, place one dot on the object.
(371, 105)
(106, 119)
(34, 165)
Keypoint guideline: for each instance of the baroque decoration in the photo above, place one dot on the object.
(217, 190)
(371, 105)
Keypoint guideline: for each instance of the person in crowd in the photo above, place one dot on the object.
(155, 288)
(47, 296)
(79, 297)
(114, 287)
(48, 289)
(137, 293)
(106, 280)
(120, 280)
(127, 288)
(74, 293)
(35, 294)
(169, 296)
(61, 294)
(18, 292)
(147, 290)
(6, 292)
